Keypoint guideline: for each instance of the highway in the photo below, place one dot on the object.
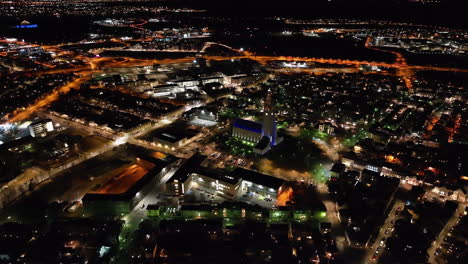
(405, 73)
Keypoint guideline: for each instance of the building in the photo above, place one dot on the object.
(167, 90)
(242, 79)
(172, 139)
(263, 146)
(182, 84)
(379, 136)
(247, 130)
(230, 185)
(203, 113)
(258, 184)
(326, 128)
(269, 121)
(26, 24)
(264, 134)
(41, 128)
(192, 84)
(213, 86)
(348, 159)
(121, 194)
(178, 184)
(212, 79)
(235, 184)
(216, 182)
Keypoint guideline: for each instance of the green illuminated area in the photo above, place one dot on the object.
(230, 113)
(355, 138)
(320, 173)
(279, 216)
(311, 134)
(153, 213)
(239, 147)
(234, 216)
(320, 215)
(283, 124)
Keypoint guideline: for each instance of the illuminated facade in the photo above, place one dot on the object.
(228, 185)
(257, 132)
(247, 130)
(41, 128)
(223, 185)
(269, 121)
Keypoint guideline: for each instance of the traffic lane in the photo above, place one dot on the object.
(389, 224)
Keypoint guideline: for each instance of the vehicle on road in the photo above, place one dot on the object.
(382, 242)
(388, 231)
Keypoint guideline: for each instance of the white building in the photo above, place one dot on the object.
(41, 128)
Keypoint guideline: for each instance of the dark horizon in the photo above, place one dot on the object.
(446, 13)
(449, 13)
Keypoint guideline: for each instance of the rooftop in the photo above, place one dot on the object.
(123, 181)
(257, 178)
(188, 167)
(264, 142)
(174, 135)
(248, 125)
(217, 174)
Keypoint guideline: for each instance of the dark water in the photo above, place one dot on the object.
(50, 30)
(442, 60)
(323, 47)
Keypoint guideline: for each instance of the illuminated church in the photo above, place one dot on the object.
(264, 133)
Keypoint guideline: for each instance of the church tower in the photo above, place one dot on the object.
(269, 122)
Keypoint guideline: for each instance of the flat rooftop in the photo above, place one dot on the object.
(172, 133)
(248, 125)
(257, 177)
(123, 181)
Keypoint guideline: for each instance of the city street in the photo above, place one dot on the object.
(338, 231)
(453, 221)
(386, 231)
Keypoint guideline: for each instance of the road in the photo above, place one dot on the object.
(338, 231)
(453, 221)
(405, 73)
(388, 225)
(20, 115)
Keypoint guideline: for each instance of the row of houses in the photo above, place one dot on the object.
(350, 161)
